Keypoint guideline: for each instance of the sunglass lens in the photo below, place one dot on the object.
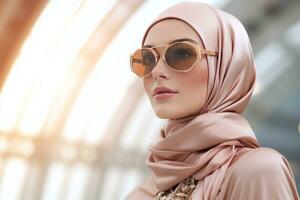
(143, 61)
(181, 56)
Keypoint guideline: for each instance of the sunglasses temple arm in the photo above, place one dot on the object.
(209, 52)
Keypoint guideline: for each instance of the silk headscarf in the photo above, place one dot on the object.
(204, 145)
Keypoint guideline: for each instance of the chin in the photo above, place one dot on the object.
(172, 113)
(162, 116)
(169, 110)
(166, 114)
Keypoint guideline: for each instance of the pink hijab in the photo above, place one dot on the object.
(204, 145)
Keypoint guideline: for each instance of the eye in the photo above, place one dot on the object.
(148, 58)
(182, 53)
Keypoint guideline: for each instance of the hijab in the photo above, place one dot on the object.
(205, 144)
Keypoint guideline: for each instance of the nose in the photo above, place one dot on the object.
(161, 70)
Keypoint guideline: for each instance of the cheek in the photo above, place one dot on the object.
(195, 84)
(147, 86)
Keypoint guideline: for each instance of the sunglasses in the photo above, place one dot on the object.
(179, 56)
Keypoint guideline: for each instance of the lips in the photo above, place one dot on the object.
(162, 90)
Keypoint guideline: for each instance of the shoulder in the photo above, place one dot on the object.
(259, 162)
(261, 173)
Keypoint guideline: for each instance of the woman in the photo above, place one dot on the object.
(198, 71)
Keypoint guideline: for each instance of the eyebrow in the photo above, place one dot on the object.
(178, 40)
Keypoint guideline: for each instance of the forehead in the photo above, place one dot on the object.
(169, 30)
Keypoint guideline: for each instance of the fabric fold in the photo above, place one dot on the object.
(183, 151)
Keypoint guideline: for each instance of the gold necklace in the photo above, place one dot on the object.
(182, 191)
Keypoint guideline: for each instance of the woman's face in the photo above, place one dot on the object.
(191, 86)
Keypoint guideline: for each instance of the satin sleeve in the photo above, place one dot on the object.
(259, 174)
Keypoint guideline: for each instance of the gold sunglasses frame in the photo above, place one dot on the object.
(196, 46)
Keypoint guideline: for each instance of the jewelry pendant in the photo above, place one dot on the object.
(182, 191)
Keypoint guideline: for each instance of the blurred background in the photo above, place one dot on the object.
(73, 116)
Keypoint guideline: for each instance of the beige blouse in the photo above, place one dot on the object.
(258, 174)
